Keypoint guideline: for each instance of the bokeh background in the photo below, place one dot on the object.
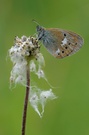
(69, 113)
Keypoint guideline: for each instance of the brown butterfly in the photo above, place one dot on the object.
(60, 43)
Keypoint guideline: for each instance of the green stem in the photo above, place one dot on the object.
(26, 100)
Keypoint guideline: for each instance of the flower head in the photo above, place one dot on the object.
(23, 50)
(26, 51)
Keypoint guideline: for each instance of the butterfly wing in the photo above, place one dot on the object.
(61, 43)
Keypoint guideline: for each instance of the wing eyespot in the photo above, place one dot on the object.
(66, 47)
(64, 35)
(62, 51)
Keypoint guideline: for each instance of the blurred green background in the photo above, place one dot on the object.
(69, 114)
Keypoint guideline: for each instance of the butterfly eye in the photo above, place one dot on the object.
(39, 28)
(69, 43)
(75, 43)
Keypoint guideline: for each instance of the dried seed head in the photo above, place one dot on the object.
(23, 50)
(27, 49)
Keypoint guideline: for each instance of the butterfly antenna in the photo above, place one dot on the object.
(35, 22)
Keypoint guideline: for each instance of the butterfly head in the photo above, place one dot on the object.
(40, 31)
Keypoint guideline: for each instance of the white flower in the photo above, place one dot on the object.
(44, 96)
(37, 68)
(40, 73)
(39, 98)
(32, 67)
(23, 50)
(34, 101)
(40, 59)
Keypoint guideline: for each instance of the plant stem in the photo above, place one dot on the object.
(26, 100)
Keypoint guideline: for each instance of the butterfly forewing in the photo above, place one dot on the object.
(65, 43)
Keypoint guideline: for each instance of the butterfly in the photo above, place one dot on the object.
(60, 43)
